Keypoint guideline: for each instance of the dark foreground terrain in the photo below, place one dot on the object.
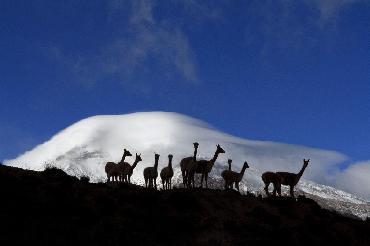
(52, 208)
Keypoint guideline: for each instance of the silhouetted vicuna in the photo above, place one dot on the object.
(112, 169)
(151, 174)
(167, 174)
(232, 177)
(187, 163)
(204, 167)
(283, 178)
(127, 169)
(229, 161)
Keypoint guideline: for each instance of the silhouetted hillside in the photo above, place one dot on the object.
(52, 208)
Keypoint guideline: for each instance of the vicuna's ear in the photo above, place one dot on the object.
(304, 159)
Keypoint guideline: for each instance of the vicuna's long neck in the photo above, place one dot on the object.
(135, 164)
(156, 163)
(195, 154)
(229, 166)
(170, 163)
(123, 157)
(241, 174)
(213, 160)
(299, 175)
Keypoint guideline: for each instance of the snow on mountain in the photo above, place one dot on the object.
(85, 147)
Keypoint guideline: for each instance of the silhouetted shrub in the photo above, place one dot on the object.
(85, 179)
(54, 174)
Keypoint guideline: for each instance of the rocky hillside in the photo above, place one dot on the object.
(52, 208)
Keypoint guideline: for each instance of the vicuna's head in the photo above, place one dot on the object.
(196, 145)
(229, 161)
(305, 162)
(156, 157)
(245, 165)
(138, 157)
(126, 152)
(170, 157)
(219, 149)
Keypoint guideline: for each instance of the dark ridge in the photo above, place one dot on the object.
(52, 208)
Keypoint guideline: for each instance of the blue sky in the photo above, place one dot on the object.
(290, 71)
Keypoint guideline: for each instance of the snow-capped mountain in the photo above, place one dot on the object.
(85, 147)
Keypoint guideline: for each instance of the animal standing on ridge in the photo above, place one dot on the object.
(128, 169)
(167, 174)
(232, 177)
(188, 163)
(283, 178)
(151, 174)
(112, 169)
(204, 167)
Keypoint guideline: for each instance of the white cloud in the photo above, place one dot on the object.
(355, 179)
(148, 39)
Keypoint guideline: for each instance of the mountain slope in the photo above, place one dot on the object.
(85, 147)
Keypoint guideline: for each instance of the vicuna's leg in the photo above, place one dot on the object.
(155, 183)
(183, 178)
(276, 188)
(292, 190)
(186, 184)
(191, 180)
(279, 189)
(206, 177)
(146, 183)
(201, 180)
(267, 188)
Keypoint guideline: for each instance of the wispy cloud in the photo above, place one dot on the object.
(285, 25)
(142, 45)
(148, 39)
(329, 10)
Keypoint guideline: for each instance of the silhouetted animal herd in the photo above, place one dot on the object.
(122, 172)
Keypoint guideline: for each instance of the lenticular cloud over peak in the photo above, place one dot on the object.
(87, 145)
